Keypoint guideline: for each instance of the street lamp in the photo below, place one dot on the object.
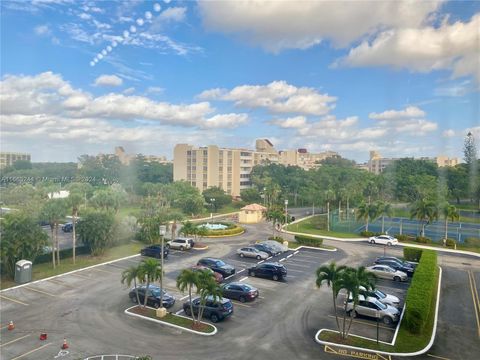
(212, 202)
(162, 230)
(286, 211)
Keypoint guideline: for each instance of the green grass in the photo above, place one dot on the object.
(174, 319)
(307, 227)
(406, 342)
(41, 271)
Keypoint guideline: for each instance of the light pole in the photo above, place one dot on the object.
(212, 201)
(264, 196)
(378, 316)
(162, 230)
(286, 211)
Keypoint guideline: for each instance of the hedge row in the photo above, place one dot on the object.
(234, 231)
(421, 294)
(369, 233)
(65, 253)
(412, 254)
(308, 241)
(278, 239)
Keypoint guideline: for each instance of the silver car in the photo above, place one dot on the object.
(373, 308)
(384, 298)
(386, 272)
(252, 252)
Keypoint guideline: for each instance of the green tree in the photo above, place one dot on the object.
(207, 288)
(449, 212)
(151, 270)
(469, 150)
(331, 275)
(54, 212)
(96, 230)
(130, 275)
(384, 209)
(188, 228)
(216, 197)
(251, 195)
(74, 200)
(187, 279)
(22, 238)
(424, 211)
(275, 215)
(367, 212)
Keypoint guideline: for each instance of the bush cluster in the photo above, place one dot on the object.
(423, 240)
(450, 243)
(233, 231)
(472, 242)
(64, 254)
(412, 254)
(401, 237)
(308, 241)
(277, 239)
(421, 294)
(369, 233)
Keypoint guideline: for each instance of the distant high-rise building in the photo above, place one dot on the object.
(9, 158)
(377, 163)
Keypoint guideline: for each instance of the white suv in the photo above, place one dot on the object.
(180, 244)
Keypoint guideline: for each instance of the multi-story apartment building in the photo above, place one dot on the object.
(9, 158)
(125, 158)
(230, 169)
(377, 163)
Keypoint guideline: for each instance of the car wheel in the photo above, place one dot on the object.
(389, 243)
(241, 255)
(182, 248)
(275, 277)
(134, 299)
(396, 278)
(142, 253)
(258, 257)
(251, 273)
(387, 320)
(352, 314)
(372, 241)
(242, 299)
(214, 318)
(156, 305)
(188, 312)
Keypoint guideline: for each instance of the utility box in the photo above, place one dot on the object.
(23, 271)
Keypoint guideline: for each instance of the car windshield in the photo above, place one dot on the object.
(380, 294)
(220, 263)
(380, 305)
(155, 292)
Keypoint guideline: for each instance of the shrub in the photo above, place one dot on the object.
(472, 242)
(423, 240)
(277, 239)
(450, 243)
(308, 241)
(412, 254)
(64, 253)
(421, 294)
(401, 237)
(233, 231)
(369, 233)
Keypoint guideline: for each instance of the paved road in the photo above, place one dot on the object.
(87, 308)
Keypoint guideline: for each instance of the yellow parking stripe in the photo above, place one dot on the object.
(476, 302)
(39, 291)
(11, 342)
(61, 283)
(10, 299)
(31, 351)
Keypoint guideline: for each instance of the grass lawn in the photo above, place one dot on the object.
(406, 341)
(174, 319)
(44, 270)
(307, 227)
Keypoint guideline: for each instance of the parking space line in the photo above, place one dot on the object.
(297, 271)
(39, 291)
(296, 252)
(31, 351)
(15, 340)
(438, 357)
(117, 266)
(242, 279)
(282, 259)
(179, 312)
(61, 283)
(289, 256)
(476, 302)
(183, 298)
(240, 304)
(260, 262)
(10, 299)
(299, 265)
(81, 276)
(366, 323)
(269, 257)
(103, 271)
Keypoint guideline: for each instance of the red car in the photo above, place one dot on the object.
(218, 277)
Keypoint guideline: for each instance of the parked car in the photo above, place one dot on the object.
(218, 276)
(383, 240)
(217, 265)
(373, 308)
(266, 248)
(239, 291)
(400, 261)
(153, 297)
(67, 227)
(380, 296)
(396, 265)
(155, 251)
(273, 270)
(252, 252)
(386, 272)
(214, 310)
(180, 244)
(275, 245)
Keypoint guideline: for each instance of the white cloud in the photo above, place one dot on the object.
(278, 25)
(108, 80)
(155, 90)
(292, 122)
(277, 97)
(409, 112)
(84, 16)
(455, 90)
(42, 30)
(176, 14)
(448, 133)
(225, 121)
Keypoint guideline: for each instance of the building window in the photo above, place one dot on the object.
(204, 185)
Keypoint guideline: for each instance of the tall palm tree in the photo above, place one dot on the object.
(151, 270)
(449, 212)
(331, 275)
(424, 211)
(74, 200)
(367, 212)
(131, 275)
(384, 209)
(275, 215)
(187, 279)
(54, 211)
(207, 287)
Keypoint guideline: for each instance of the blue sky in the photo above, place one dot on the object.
(400, 77)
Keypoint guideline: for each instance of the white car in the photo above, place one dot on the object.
(383, 239)
(380, 296)
(252, 252)
(386, 272)
(180, 244)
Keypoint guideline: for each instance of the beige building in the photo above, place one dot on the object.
(125, 158)
(302, 158)
(251, 214)
(377, 163)
(9, 158)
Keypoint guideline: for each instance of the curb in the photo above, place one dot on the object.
(222, 236)
(422, 351)
(172, 325)
(202, 248)
(68, 273)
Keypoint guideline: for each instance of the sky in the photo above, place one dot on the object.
(81, 77)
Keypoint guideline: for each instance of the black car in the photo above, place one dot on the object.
(214, 310)
(265, 248)
(217, 265)
(239, 291)
(68, 227)
(402, 262)
(155, 251)
(396, 265)
(272, 270)
(153, 296)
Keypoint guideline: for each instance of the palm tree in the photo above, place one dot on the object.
(174, 217)
(152, 271)
(367, 212)
(384, 209)
(189, 228)
(331, 275)
(131, 275)
(424, 211)
(207, 287)
(54, 211)
(187, 279)
(74, 200)
(275, 215)
(449, 212)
